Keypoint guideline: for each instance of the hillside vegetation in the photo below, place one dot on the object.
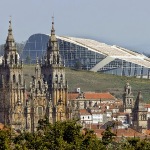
(98, 82)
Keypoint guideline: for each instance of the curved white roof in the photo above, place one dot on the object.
(114, 51)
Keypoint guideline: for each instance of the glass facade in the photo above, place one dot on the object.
(72, 53)
(35, 47)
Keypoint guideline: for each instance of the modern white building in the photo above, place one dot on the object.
(91, 55)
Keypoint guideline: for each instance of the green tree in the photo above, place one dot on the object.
(133, 141)
(5, 139)
(62, 135)
(28, 140)
(108, 136)
(91, 142)
(78, 65)
(43, 125)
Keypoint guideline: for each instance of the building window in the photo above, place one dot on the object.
(14, 78)
(40, 110)
(39, 85)
(56, 78)
(19, 79)
(130, 101)
(128, 91)
(61, 77)
(143, 116)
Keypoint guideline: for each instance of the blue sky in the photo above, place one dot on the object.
(117, 22)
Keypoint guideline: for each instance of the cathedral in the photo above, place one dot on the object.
(137, 110)
(48, 90)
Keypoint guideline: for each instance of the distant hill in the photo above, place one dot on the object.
(98, 82)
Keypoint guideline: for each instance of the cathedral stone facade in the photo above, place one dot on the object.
(54, 74)
(137, 110)
(48, 90)
(12, 86)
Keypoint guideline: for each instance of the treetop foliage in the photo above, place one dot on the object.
(67, 135)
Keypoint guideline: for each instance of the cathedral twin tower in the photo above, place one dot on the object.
(48, 90)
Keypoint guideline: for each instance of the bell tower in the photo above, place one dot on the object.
(12, 85)
(54, 73)
(128, 101)
(139, 114)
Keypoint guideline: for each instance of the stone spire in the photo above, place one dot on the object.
(53, 37)
(10, 42)
(54, 73)
(139, 102)
(37, 69)
(53, 56)
(11, 57)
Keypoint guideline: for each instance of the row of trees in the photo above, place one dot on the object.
(66, 135)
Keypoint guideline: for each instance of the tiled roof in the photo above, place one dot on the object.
(93, 126)
(127, 132)
(120, 132)
(92, 95)
(84, 112)
(147, 132)
(147, 105)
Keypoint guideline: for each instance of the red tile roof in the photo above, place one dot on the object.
(147, 105)
(122, 113)
(147, 132)
(120, 132)
(92, 95)
(84, 112)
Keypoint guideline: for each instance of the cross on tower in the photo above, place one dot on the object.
(53, 18)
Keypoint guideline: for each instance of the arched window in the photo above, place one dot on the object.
(14, 78)
(56, 78)
(40, 111)
(16, 58)
(39, 85)
(19, 79)
(127, 101)
(144, 116)
(128, 91)
(61, 77)
(130, 101)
